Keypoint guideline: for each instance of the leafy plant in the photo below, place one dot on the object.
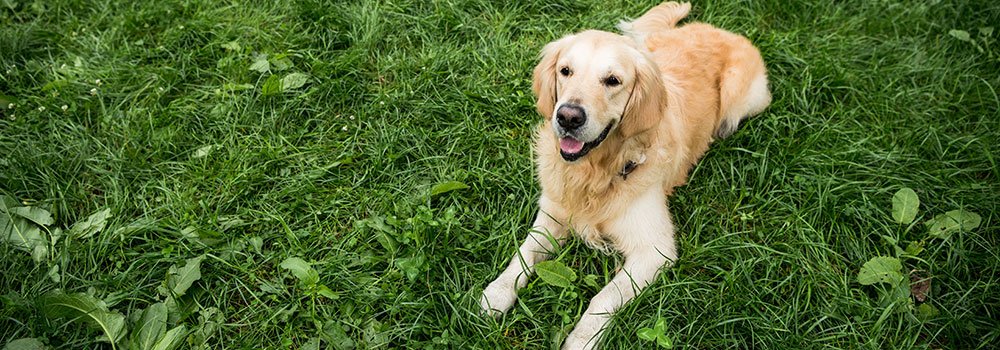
(308, 277)
(448, 186)
(942, 226)
(982, 43)
(84, 307)
(25, 228)
(28, 228)
(179, 279)
(555, 273)
(905, 205)
(403, 238)
(25, 344)
(412, 266)
(274, 84)
(889, 270)
(881, 269)
(657, 334)
(90, 226)
(149, 328)
(294, 81)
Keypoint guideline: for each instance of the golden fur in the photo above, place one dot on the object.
(651, 102)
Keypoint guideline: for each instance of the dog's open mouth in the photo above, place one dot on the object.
(572, 149)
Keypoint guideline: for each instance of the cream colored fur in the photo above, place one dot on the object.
(680, 88)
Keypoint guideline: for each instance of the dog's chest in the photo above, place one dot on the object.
(589, 209)
(595, 235)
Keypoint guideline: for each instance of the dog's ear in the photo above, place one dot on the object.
(649, 99)
(544, 77)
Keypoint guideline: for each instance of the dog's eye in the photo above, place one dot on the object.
(565, 71)
(612, 81)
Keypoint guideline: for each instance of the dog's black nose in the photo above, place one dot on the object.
(570, 116)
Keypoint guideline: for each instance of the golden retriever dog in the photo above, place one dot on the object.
(625, 119)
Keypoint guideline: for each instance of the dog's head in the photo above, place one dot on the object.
(594, 84)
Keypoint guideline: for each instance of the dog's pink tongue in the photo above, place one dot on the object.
(570, 145)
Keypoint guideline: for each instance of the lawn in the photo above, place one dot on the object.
(312, 174)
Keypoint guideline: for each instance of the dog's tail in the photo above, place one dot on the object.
(662, 17)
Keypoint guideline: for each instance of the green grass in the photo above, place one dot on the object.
(777, 220)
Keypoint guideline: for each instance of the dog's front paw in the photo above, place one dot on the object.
(586, 334)
(497, 298)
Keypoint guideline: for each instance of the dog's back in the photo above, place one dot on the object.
(723, 69)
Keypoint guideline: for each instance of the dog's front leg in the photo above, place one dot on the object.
(646, 239)
(500, 295)
(638, 272)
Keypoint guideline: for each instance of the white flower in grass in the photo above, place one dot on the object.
(93, 91)
(344, 128)
(10, 106)
(41, 108)
(65, 108)
(98, 82)
(351, 117)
